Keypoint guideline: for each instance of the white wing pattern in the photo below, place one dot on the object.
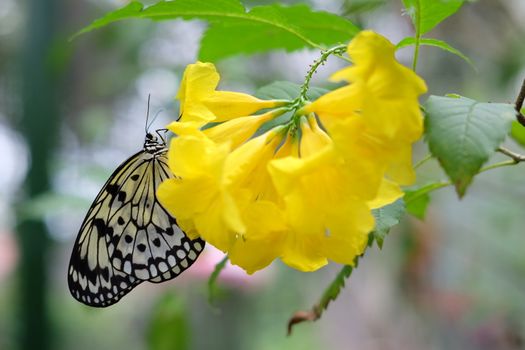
(127, 237)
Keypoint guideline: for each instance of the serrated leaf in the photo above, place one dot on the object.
(427, 14)
(417, 199)
(233, 30)
(186, 9)
(463, 133)
(435, 43)
(169, 327)
(386, 218)
(274, 27)
(517, 132)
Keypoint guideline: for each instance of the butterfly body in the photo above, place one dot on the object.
(127, 237)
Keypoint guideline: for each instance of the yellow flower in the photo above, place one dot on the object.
(238, 130)
(327, 219)
(377, 116)
(267, 230)
(200, 103)
(197, 196)
(234, 205)
(304, 190)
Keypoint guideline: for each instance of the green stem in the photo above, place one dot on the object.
(330, 294)
(498, 165)
(347, 59)
(212, 281)
(417, 26)
(296, 105)
(423, 161)
(336, 50)
(416, 53)
(437, 187)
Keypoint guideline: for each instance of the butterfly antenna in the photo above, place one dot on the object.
(146, 126)
(154, 117)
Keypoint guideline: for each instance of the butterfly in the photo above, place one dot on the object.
(127, 237)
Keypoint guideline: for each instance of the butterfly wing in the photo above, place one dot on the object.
(127, 236)
(92, 279)
(148, 243)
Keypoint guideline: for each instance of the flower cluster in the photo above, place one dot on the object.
(302, 191)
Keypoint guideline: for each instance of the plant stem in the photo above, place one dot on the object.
(336, 50)
(417, 26)
(516, 157)
(212, 281)
(423, 161)
(497, 165)
(330, 293)
(416, 53)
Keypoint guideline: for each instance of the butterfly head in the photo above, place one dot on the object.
(154, 144)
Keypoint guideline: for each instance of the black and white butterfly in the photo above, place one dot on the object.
(127, 237)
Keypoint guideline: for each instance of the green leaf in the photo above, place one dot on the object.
(186, 9)
(417, 199)
(463, 133)
(427, 14)
(285, 90)
(233, 30)
(517, 132)
(386, 218)
(435, 43)
(169, 328)
(275, 27)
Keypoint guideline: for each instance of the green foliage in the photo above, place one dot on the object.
(212, 281)
(284, 90)
(359, 6)
(169, 328)
(517, 132)
(233, 30)
(435, 43)
(463, 133)
(335, 287)
(386, 218)
(427, 14)
(417, 199)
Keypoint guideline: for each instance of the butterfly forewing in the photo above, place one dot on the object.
(150, 242)
(127, 236)
(91, 277)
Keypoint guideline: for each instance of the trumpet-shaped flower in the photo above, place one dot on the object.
(238, 130)
(304, 190)
(197, 195)
(377, 116)
(200, 103)
(328, 220)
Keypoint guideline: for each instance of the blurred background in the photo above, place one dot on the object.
(70, 112)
